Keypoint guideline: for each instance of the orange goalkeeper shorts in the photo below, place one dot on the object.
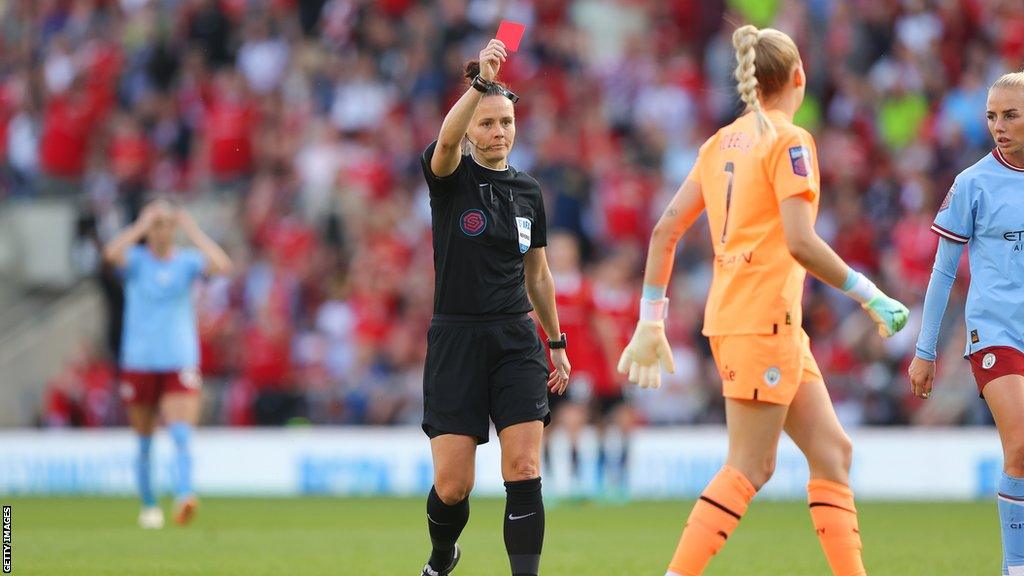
(767, 368)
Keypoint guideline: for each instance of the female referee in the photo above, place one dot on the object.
(160, 345)
(758, 180)
(983, 210)
(484, 357)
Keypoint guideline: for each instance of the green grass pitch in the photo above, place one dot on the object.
(388, 537)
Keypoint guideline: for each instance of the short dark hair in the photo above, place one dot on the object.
(497, 88)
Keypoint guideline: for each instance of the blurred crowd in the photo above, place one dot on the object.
(306, 119)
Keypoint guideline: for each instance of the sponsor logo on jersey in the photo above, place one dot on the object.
(734, 259)
(728, 374)
(1017, 237)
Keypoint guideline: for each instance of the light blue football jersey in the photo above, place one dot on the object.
(985, 210)
(160, 332)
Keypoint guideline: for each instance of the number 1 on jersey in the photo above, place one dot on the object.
(731, 170)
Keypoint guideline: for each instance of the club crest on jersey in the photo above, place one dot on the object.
(473, 222)
(525, 229)
(772, 376)
(798, 158)
(988, 361)
(948, 199)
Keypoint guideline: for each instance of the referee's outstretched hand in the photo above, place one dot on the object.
(491, 58)
(558, 380)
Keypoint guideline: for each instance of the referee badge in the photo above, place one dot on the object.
(525, 227)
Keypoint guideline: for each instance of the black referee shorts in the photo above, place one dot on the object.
(483, 367)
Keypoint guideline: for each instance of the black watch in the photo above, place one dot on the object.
(481, 85)
(485, 86)
(561, 343)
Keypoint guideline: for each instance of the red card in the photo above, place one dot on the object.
(510, 33)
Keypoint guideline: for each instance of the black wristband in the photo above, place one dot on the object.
(561, 343)
(481, 85)
(486, 86)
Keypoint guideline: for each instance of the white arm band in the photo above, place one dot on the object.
(859, 287)
(653, 310)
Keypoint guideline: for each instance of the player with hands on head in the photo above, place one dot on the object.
(758, 181)
(159, 360)
(982, 212)
(485, 360)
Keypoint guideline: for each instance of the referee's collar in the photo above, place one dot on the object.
(506, 169)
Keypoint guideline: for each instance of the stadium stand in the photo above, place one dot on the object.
(292, 129)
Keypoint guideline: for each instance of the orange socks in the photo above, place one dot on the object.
(712, 520)
(835, 520)
(725, 500)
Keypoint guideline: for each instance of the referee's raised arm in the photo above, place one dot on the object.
(448, 152)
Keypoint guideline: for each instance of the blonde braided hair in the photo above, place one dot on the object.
(744, 40)
(764, 61)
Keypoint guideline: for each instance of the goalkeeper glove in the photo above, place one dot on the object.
(648, 351)
(889, 314)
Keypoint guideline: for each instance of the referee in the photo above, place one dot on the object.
(484, 358)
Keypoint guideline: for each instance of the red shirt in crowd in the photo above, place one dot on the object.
(6, 112)
(267, 356)
(67, 124)
(619, 309)
(625, 200)
(576, 316)
(80, 396)
(130, 156)
(229, 136)
(915, 245)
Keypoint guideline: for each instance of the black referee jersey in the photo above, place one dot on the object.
(484, 222)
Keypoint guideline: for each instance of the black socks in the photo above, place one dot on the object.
(446, 524)
(524, 526)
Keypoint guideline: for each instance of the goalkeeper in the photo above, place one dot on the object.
(757, 178)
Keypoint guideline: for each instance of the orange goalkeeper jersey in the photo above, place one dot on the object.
(757, 286)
